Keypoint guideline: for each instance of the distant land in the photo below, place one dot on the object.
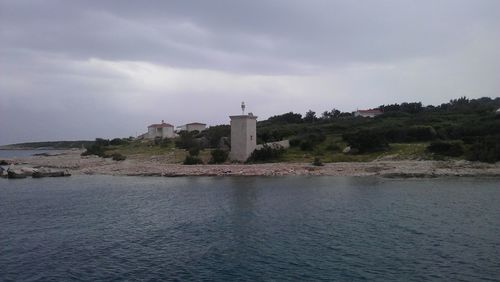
(458, 138)
(55, 145)
(462, 129)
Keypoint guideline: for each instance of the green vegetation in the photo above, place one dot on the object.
(485, 149)
(118, 157)
(218, 156)
(449, 148)
(213, 135)
(266, 154)
(98, 148)
(469, 127)
(461, 129)
(186, 140)
(317, 162)
(192, 160)
(51, 145)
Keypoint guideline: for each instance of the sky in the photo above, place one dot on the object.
(73, 70)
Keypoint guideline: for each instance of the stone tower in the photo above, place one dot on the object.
(243, 136)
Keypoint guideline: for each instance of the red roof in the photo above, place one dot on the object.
(160, 125)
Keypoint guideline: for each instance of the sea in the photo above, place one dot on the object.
(294, 228)
(7, 154)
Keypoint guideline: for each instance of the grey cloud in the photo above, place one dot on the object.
(282, 54)
(302, 32)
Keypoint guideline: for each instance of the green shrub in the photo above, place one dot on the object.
(186, 140)
(316, 137)
(294, 142)
(485, 149)
(165, 142)
(218, 156)
(451, 149)
(215, 133)
(333, 147)
(98, 148)
(118, 157)
(409, 134)
(192, 160)
(367, 140)
(308, 139)
(306, 145)
(421, 133)
(267, 153)
(101, 142)
(94, 149)
(194, 151)
(317, 162)
(118, 141)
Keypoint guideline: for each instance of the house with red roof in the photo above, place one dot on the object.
(162, 130)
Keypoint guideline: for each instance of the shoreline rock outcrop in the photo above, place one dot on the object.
(23, 172)
(18, 173)
(47, 172)
(140, 165)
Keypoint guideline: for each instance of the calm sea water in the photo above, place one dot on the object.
(249, 228)
(6, 154)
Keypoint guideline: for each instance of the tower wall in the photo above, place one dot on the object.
(243, 137)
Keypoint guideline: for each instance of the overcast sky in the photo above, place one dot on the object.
(85, 69)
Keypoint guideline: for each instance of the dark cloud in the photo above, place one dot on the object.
(244, 35)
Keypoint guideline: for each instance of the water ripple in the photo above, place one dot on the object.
(284, 228)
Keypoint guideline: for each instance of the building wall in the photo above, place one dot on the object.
(285, 144)
(168, 132)
(151, 133)
(193, 127)
(243, 137)
(362, 114)
(163, 132)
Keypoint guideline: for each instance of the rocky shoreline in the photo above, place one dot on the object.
(155, 166)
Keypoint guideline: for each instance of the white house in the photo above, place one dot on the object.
(162, 130)
(192, 127)
(367, 113)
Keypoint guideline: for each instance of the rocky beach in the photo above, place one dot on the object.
(161, 166)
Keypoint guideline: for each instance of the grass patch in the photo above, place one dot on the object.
(406, 151)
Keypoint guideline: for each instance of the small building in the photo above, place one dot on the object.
(192, 127)
(162, 130)
(243, 136)
(142, 136)
(367, 113)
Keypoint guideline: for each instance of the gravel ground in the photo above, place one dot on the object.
(155, 166)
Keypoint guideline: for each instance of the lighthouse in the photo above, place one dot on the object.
(243, 135)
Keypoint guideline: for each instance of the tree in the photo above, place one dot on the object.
(325, 115)
(218, 156)
(310, 117)
(329, 115)
(367, 140)
(286, 118)
(215, 133)
(186, 140)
